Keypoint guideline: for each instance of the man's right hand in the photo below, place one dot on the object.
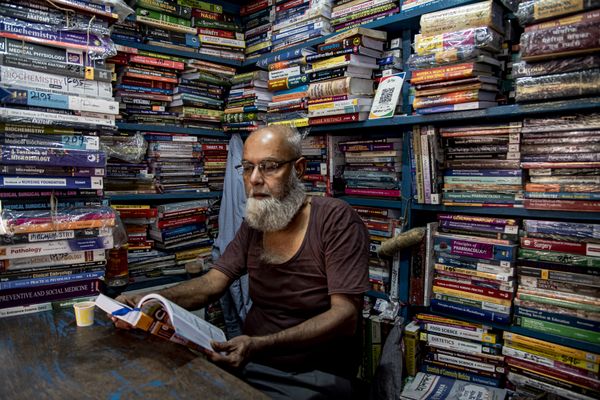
(131, 300)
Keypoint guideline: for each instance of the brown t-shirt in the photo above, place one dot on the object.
(333, 258)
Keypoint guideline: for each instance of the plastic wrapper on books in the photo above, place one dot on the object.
(451, 56)
(131, 149)
(482, 38)
(533, 11)
(546, 87)
(485, 13)
(524, 69)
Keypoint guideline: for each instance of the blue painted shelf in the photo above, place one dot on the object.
(177, 53)
(125, 126)
(164, 196)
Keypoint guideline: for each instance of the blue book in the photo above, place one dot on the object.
(483, 172)
(469, 312)
(558, 318)
(51, 280)
(284, 56)
(57, 182)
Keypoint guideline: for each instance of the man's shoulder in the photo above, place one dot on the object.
(332, 208)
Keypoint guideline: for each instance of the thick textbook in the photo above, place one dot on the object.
(426, 387)
(163, 318)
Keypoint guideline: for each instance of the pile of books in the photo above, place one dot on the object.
(127, 170)
(349, 14)
(535, 365)
(341, 85)
(372, 167)
(315, 178)
(482, 165)
(55, 101)
(426, 158)
(558, 52)
(474, 267)
(562, 157)
(460, 350)
(214, 157)
(136, 219)
(257, 20)
(220, 34)
(297, 22)
(559, 289)
(247, 102)
(453, 67)
(289, 84)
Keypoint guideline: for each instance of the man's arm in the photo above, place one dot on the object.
(340, 320)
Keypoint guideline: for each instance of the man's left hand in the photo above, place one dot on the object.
(235, 352)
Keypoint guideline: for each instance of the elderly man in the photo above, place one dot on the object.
(306, 259)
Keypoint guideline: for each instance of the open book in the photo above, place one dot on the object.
(166, 319)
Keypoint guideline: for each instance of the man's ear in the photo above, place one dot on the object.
(300, 167)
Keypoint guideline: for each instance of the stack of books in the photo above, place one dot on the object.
(558, 53)
(257, 19)
(199, 98)
(562, 157)
(341, 85)
(351, 13)
(220, 34)
(372, 167)
(427, 159)
(537, 365)
(289, 84)
(382, 224)
(136, 219)
(453, 67)
(461, 350)
(390, 62)
(214, 157)
(315, 178)
(145, 85)
(559, 287)
(474, 267)
(299, 21)
(482, 165)
(129, 31)
(247, 102)
(127, 171)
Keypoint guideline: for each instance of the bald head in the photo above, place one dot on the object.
(283, 140)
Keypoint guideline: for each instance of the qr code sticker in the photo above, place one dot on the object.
(386, 95)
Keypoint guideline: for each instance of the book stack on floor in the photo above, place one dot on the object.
(299, 21)
(427, 160)
(558, 52)
(55, 100)
(535, 365)
(382, 224)
(461, 350)
(341, 85)
(559, 286)
(482, 165)
(315, 178)
(562, 157)
(351, 13)
(247, 102)
(372, 167)
(181, 236)
(474, 267)
(289, 84)
(257, 19)
(454, 68)
(199, 98)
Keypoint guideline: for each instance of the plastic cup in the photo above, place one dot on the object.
(84, 313)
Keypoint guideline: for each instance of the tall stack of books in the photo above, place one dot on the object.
(351, 13)
(289, 84)
(165, 24)
(427, 159)
(144, 86)
(257, 19)
(453, 67)
(214, 157)
(220, 34)
(372, 167)
(341, 85)
(199, 98)
(128, 30)
(382, 224)
(558, 52)
(561, 156)
(247, 102)
(474, 267)
(461, 350)
(315, 178)
(127, 170)
(299, 21)
(482, 165)
(55, 101)
(535, 364)
(558, 282)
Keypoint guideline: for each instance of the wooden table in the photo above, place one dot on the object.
(46, 356)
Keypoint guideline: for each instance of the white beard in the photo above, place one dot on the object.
(272, 214)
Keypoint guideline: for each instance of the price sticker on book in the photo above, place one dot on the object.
(387, 96)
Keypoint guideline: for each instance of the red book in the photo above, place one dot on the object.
(157, 62)
(373, 192)
(254, 7)
(217, 33)
(338, 119)
(171, 223)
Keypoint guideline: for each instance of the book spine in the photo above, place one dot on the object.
(54, 67)
(474, 289)
(42, 53)
(39, 294)
(38, 98)
(16, 182)
(166, 7)
(54, 280)
(465, 376)
(46, 156)
(476, 249)
(469, 312)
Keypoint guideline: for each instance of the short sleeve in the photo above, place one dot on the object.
(346, 248)
(233, 260)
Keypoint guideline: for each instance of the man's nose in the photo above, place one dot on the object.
(256, 177)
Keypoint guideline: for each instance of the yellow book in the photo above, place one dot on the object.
(553, 347)
(471, 296)
(576, 362)
(297, 122)
(324, 64)
(130, 206)
(470, 272)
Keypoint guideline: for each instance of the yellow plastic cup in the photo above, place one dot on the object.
(84, 313)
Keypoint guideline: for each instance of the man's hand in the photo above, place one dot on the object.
(130, 300)
(236, 352)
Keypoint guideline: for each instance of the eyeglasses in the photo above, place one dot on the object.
(265, 167)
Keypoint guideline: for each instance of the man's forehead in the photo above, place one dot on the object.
(266, 144)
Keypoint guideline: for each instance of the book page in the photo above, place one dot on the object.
(110, 305)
